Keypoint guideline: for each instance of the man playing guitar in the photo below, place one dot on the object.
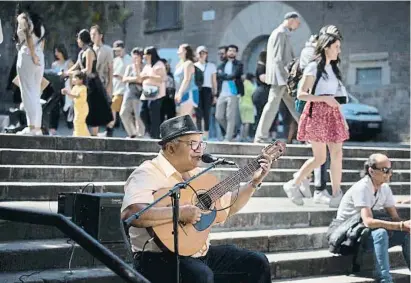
(178, 160)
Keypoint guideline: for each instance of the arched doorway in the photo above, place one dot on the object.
(252, 51)
(258, 20)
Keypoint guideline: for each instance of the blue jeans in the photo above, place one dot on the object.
(379, 242)
(215, 130)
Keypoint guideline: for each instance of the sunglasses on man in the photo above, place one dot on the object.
(385, 170)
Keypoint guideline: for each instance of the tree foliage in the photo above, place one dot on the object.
(65, 18)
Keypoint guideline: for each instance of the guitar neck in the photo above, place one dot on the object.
(232, 182)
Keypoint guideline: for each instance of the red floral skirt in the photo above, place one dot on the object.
(326, 124)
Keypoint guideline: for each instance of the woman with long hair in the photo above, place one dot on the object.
(61, 63)
(187, 95)
(99, 107)
(322, 123)
(154, 79)
(30, 68)
(208, 90)
(131, 106)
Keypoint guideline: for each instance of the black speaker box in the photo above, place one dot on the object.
(65, 203)
(99, 215)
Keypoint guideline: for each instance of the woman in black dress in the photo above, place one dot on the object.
(99, 107)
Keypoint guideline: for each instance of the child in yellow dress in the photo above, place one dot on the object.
(79, 95)
(247, 107)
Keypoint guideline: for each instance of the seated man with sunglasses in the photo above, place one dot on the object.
(369, 195)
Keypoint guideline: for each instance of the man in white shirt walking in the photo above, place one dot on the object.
(208, 91)
(120, 62)
(279, 54)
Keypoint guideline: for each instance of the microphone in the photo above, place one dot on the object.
(208, 158)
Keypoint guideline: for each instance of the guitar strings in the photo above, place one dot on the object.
(218, 191)
(229, 182)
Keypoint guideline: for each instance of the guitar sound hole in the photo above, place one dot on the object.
(204, 201)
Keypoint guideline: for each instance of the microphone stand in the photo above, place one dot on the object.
(174, 193)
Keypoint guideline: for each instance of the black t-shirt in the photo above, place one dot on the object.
(260, 71)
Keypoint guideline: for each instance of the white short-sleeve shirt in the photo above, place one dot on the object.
(119, 68)
(327, 85)
(209, 69)
(360, 195)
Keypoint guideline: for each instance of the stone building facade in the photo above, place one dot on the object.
(375, 51)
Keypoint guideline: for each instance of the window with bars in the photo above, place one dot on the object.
(163, 15)
(368, 76)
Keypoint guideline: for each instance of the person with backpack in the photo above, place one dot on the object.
(322, 123)
(230, 87)
(208, 89)
(187, 95)
(30, 68)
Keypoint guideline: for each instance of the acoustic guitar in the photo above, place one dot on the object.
(205, 192)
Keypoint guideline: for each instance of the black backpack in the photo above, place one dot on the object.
(294, 76)
(198, 77)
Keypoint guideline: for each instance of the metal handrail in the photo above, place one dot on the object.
(77, 234)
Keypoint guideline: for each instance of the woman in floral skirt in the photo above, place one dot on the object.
(322, 123)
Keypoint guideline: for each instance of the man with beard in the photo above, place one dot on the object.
(230, 86)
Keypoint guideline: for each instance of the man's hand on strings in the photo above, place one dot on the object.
(265, 166)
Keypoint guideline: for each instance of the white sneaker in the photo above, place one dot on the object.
(293, 192)
(335, 200)
(322, 197)
(26, 131)
(305, 187)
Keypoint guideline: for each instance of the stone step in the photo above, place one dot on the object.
(281, 213)
(148, 145)
(258, 213)
(321, 262)
(36, 191)
(272, 241)
(32, 191)
(124, 159)
(399, 275)
(55, 254)
(104, 275)
(275, 189)
(75, 275)
(57, 173)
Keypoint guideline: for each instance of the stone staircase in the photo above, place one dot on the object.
(33, 170)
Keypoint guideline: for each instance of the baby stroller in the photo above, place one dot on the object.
(50, 100)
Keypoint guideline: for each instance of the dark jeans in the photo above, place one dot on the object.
(168, 108)
(225, 264)
(321, 176)
(151, 116)
(260, 98)
(204, 108)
